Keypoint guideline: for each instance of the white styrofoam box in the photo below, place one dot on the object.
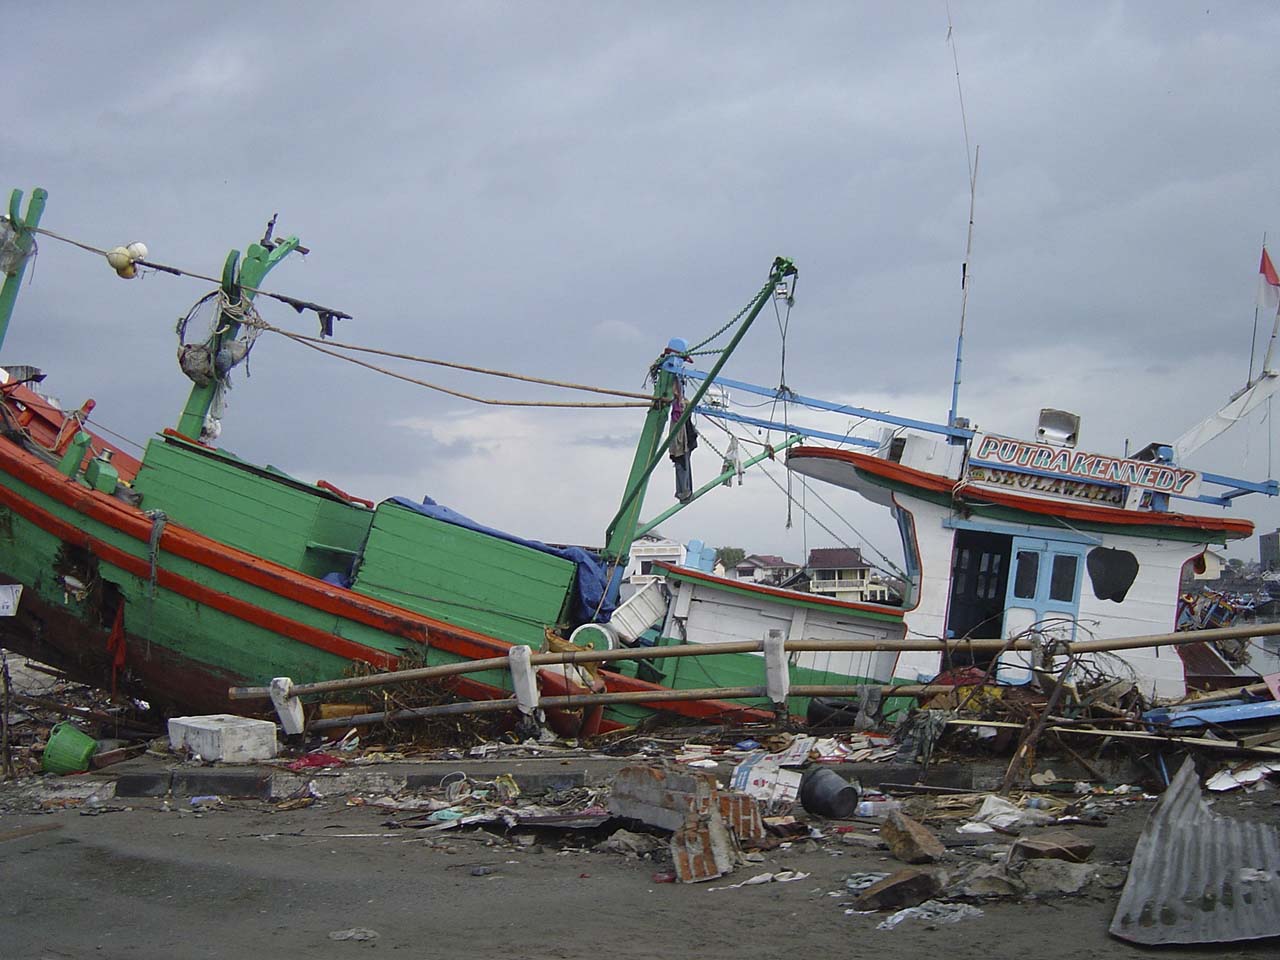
(640, 611)
(222, 736)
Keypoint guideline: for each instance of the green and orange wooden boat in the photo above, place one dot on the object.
(181, 574)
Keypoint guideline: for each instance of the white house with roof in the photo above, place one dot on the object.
(764, 568)
(842, 574)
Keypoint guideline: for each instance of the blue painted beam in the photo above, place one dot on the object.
(1224, 501)
(785, 427)
(675, 365)
(1270, 487)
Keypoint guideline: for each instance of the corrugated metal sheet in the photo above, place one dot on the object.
(1200, 878)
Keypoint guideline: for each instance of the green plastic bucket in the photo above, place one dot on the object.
(68, 750)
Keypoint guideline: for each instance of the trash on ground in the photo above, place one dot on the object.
(932, 911)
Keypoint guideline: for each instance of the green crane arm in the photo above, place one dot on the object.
(649, 451)
(236, 275)
(24, 238)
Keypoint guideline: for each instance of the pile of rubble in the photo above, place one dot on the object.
(36, 700)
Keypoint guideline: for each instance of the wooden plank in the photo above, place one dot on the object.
(240, 508)
(414, 529)
(463, 576)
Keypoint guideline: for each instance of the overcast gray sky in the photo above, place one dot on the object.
(558, 188)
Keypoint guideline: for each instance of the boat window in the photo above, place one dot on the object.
(1025, 575)
(960, 566)
(1111, 572)
(988, 576)
(910, 556)
(1062, 582)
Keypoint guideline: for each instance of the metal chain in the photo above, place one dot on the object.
(697, 351)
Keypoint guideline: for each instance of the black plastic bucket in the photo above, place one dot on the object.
(827, 794)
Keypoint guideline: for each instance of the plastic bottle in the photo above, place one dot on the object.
(877, 808)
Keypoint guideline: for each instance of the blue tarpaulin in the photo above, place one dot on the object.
(591, 594)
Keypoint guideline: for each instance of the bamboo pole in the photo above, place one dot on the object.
(1168, 739)
(755, 646)
(1227, 693)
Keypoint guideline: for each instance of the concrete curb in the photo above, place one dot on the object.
(151, 777)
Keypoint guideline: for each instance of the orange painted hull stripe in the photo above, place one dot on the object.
(935, 483)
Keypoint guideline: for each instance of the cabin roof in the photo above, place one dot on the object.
(836, 558)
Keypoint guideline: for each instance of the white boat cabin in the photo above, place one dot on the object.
(1006, 537)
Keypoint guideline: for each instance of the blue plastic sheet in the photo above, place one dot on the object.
(593, 601)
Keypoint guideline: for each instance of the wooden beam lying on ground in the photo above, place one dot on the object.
(1168, 740)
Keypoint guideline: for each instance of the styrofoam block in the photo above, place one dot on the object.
(222, 736)
(640, 611)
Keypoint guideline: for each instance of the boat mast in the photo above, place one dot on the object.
(649, 451)
(21, 242)
(258, 262)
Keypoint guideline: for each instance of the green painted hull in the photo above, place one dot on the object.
(219, 585)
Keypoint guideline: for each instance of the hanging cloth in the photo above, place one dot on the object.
(683, 443)
(732, 461)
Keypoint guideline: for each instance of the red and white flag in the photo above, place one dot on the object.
(1268, 284)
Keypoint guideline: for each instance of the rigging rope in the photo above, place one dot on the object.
(299, 305)
(891, 570)
(783, 389)
(642, 400)
(488, 401)
(462, 366)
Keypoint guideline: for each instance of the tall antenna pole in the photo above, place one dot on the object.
(964, 293)
(971, 158)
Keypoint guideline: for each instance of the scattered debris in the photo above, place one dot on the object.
(358, 934)
(782, 876)
(636, 845)
(909, 841)
(1231, 778)
(706, 823)
(1043, 878)
(1055, 845)
(932, 911)
(1197, 877)
(906, 888)
(992, 880)
(827, 794)
(225, 737)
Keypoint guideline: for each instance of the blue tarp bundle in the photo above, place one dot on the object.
(591, 594)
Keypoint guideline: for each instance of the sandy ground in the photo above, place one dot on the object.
(247, 880)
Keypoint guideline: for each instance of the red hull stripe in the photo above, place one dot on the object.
(934, 483)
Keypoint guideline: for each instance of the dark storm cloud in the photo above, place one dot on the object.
(559, 188)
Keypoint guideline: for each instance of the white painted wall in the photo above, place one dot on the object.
(1149, 607)
(701, 613)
